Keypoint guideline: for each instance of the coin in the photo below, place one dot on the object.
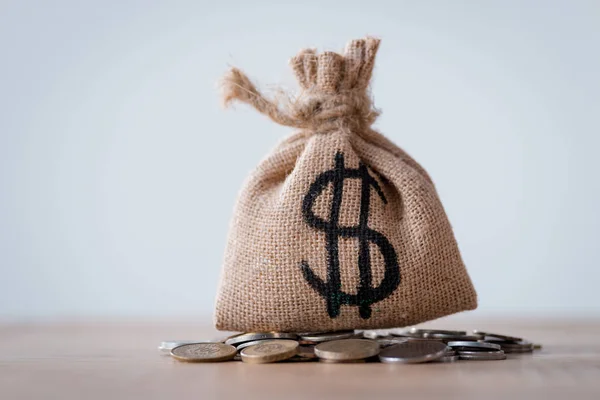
(204, 352)
(514, 347)
(307, 343)
(447, 359)
(497, 336)
(325, 360)
(423, 332)
(168, 345)
(394, 345)
(404, 334)
(251, 343)
(451, 338)
(270, 351)
(248, 337)
(297, 358)
(521, 347)
(419, 334)
(501, 342)
(469, 345)
(482, 355)
(347, 349)
(478, 353)
(385, 342)
(511, 351)
(306, 352)
(411, 352)
(427, 339)
(326, 336)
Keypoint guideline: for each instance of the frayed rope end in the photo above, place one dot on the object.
(235, 85)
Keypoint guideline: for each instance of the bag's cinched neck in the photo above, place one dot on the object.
(335, 94)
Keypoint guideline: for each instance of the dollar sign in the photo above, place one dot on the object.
(331, 290)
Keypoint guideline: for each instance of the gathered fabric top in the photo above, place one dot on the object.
(335, 90)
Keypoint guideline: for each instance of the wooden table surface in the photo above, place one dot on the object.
(119, 360)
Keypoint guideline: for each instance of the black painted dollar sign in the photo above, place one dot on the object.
(331, 290)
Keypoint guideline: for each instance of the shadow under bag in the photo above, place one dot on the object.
(338, 228)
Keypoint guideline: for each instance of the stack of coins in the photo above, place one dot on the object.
(387, 346)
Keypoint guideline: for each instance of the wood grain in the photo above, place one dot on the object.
(119, 360)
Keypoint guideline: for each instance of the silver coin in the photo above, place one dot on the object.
(411, 352)
(524, 348)
(447, 338)
(385, 342)
(168, 345)
(481, 355)
(327, 336)
(514, 347)
(415, 339)
(497, 336)
(404, 334)
(424, 332)
(515, 351)
(520, 349)
(417, 335)
(501, 342)
(468, 345)
(447, 359)
(248, 337)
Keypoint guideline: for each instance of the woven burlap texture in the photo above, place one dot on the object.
(264, 285)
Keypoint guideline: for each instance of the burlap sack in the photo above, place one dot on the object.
(337, 228)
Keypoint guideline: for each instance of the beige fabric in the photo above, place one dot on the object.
(275, 234)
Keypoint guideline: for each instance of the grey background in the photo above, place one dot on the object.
(119, 169)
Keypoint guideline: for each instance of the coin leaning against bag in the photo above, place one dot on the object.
(204, 352)
(269, 351)
(412, 352)
(347, 349)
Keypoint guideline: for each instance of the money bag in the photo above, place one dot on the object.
(337, 228)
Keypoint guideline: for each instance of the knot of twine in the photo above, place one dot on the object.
(335, 96)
